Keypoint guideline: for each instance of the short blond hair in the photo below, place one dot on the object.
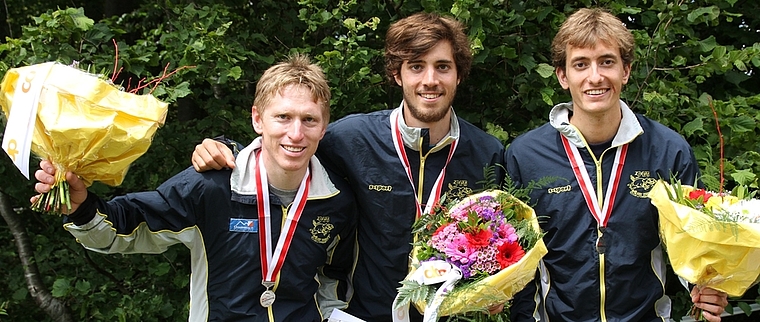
(585, 27)
(295, 70)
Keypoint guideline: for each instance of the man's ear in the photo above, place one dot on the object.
(397, 78)
(562, 77)
(626, 73)
(256, 120)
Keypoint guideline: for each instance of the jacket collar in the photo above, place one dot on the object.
(413, 135)
(629, 129)
(243, 179)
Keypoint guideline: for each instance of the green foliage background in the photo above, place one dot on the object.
(690, 54)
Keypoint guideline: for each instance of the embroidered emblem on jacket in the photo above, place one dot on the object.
(458, 189)
(379, 187)
(561, 189)
(320, 233)
(244, 225)
(641, 183)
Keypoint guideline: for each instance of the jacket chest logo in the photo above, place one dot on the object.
(320, 232)
(458, 189)
(379, 187)
(244, 225)
(641, 183)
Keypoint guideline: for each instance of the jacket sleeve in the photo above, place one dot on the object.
(144, 222)
(687, 167)
(335, 287)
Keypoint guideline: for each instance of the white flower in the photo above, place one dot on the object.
(744, 211)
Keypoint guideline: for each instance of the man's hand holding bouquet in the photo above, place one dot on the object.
(470, 255)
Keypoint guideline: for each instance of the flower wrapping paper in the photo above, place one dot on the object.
(85, 124)
(725, 256)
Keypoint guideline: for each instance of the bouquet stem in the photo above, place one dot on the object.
(696, 314)
(56, 201)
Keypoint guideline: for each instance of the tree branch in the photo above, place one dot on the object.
(53, 307)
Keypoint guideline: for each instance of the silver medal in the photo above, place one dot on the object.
(267, 298)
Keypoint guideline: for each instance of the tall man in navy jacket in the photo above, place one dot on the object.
(605, 261)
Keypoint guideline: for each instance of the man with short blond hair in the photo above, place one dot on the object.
(258, 234)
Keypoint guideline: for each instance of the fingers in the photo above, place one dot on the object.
(212, 155)
(496, 309)
(711, 301)
(45, 176)
(75, 183)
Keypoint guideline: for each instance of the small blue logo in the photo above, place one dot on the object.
(244, 225)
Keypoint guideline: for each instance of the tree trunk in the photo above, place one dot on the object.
(52, 306)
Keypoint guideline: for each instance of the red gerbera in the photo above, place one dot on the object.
(478, 239)
(509, 253)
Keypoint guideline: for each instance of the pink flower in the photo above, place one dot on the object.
(458, 251)
(444, 236)
(507, 232)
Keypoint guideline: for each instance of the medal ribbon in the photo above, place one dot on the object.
(601, 214)
(398, 143)
(269, 268)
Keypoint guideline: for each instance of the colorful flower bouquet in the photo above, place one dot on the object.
(471, 254)
(712, 239)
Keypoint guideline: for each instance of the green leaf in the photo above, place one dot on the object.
(719, 52)
(83, 23)
(745, 308)
(546, 95)
(693, 126)
(706, 13)
(742, 124)
(545, 70)
(20, 294)
(198, 45)
(744, 176)
(61, 287)
(82, 287)
(235, 72)
(679, 61)
(707, 44)
(161, 269)
(740, 65)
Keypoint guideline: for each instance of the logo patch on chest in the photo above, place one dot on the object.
(244, 225)
(320, 233)
(458, 189)
(641, 183)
